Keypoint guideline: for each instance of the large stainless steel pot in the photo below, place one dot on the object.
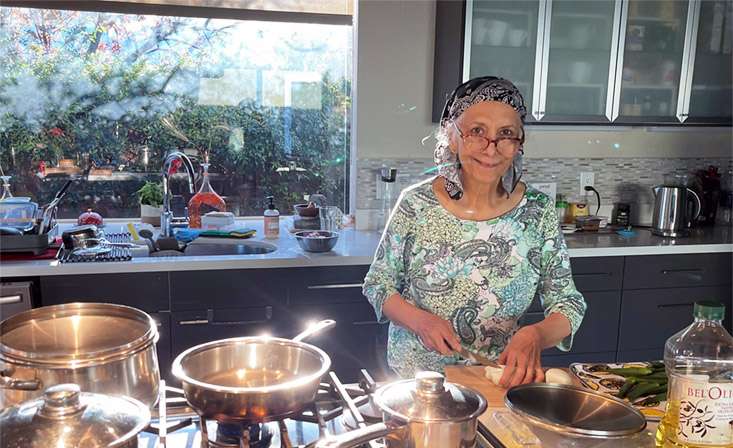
(65, 417)
(252, 378)
(425, 412)
(104, 348)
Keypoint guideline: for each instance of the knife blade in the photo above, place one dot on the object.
(478, 359)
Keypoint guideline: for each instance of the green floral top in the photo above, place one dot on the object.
(479, 275)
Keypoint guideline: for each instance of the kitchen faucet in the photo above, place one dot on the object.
(167, 220)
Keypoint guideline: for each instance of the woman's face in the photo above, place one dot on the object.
(481, 162)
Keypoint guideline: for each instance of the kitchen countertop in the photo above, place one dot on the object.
(357, 247)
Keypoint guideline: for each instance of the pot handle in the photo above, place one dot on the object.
(315, 328)
(360, 436)
(699, 206)
(8, 382)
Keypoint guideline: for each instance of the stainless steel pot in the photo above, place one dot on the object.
(65, 417)
(425, 412)
(252, 378)
(104, 348)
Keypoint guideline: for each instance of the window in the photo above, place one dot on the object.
(267, 101)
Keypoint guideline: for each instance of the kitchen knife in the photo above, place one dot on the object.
(478, 359)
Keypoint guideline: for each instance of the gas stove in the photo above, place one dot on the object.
(338, 408)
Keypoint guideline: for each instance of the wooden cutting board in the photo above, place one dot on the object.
(473, 377)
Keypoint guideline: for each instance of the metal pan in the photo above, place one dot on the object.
(254, 379)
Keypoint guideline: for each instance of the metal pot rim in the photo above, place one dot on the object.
(87, 359)
(178, 372)
(482, 405)
(577, 432)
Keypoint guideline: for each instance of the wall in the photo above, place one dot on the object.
(394, 82)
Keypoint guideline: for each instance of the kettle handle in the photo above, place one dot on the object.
(699, 206)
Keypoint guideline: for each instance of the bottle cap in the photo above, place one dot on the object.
(271, 203)
(388, 174)
(709, 310)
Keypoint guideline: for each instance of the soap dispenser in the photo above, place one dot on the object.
(272, 219)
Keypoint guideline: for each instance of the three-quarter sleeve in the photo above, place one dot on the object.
(386, 275)
(556, 288)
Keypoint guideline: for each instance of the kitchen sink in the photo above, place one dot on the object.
(203, 249)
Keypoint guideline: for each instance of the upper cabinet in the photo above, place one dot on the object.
(594, 61)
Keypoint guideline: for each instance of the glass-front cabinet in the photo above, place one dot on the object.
(606, 61)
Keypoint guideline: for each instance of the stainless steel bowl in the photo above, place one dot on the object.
(574, 411)
(317, 240)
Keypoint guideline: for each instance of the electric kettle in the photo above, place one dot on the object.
(671, 216)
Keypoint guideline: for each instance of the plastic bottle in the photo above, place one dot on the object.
(272, 219)
(203, 202)
(387, 176)
(699, 362)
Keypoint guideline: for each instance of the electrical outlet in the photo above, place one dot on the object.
(587, 178)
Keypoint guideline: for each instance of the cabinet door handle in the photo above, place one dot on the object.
(366, 322)
(7, 300)
(194, 322)
(268, 317)
(692, 274)
(674, 305)
(337, 286)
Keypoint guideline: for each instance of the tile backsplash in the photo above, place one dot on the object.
(616, 179)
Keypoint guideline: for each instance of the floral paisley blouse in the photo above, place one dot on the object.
(479, 275)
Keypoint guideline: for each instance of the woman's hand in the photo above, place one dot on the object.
(435, 333)
(522, 358)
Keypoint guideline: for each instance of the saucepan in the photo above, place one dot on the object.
(253, 379)
(425, 412)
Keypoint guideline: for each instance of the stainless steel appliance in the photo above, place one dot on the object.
(672, 210)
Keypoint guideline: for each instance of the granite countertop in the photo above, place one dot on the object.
(357, 247)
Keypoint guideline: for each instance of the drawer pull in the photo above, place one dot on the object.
(337, 286)
(692, 274)
(268, 317)
(675, 305)
(194, 322)
(366, 323)
(7, 300)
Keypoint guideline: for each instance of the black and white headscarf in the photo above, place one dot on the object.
(473, 91)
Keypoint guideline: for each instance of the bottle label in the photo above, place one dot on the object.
(705, 412)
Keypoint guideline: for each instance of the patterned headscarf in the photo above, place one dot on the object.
(473, 91)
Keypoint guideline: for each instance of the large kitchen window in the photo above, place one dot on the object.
(266, 100)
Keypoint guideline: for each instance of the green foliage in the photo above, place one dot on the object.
(151, 193)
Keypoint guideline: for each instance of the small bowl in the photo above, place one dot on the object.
(316, 240)
(305, 211)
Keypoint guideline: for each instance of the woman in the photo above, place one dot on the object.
(465, 253)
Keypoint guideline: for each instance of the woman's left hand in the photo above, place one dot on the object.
(522, 358)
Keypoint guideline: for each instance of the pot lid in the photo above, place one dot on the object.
(65, 417)
(429, 398)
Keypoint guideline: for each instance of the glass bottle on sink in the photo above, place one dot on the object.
(204, 201)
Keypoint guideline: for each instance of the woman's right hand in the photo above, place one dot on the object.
(435, 333)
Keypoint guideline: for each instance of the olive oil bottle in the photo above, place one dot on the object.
(699, 363)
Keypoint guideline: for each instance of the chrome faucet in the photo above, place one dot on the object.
(167, 220)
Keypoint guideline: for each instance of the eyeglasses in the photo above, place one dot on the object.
(504, 143)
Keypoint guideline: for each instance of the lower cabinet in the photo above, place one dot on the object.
(190, 328)
(357, 341)
(598, 333)
(650, 316)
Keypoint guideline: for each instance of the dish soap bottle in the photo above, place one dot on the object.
(699, 362)
(272, 219)
(203, 202)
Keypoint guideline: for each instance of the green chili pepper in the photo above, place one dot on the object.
(626, 387)
(641, 389)
(632, 371)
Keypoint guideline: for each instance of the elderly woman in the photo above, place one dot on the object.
(465, 253)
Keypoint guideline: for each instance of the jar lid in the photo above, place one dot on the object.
(709, 310)
(428, 398)
(65, 416)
